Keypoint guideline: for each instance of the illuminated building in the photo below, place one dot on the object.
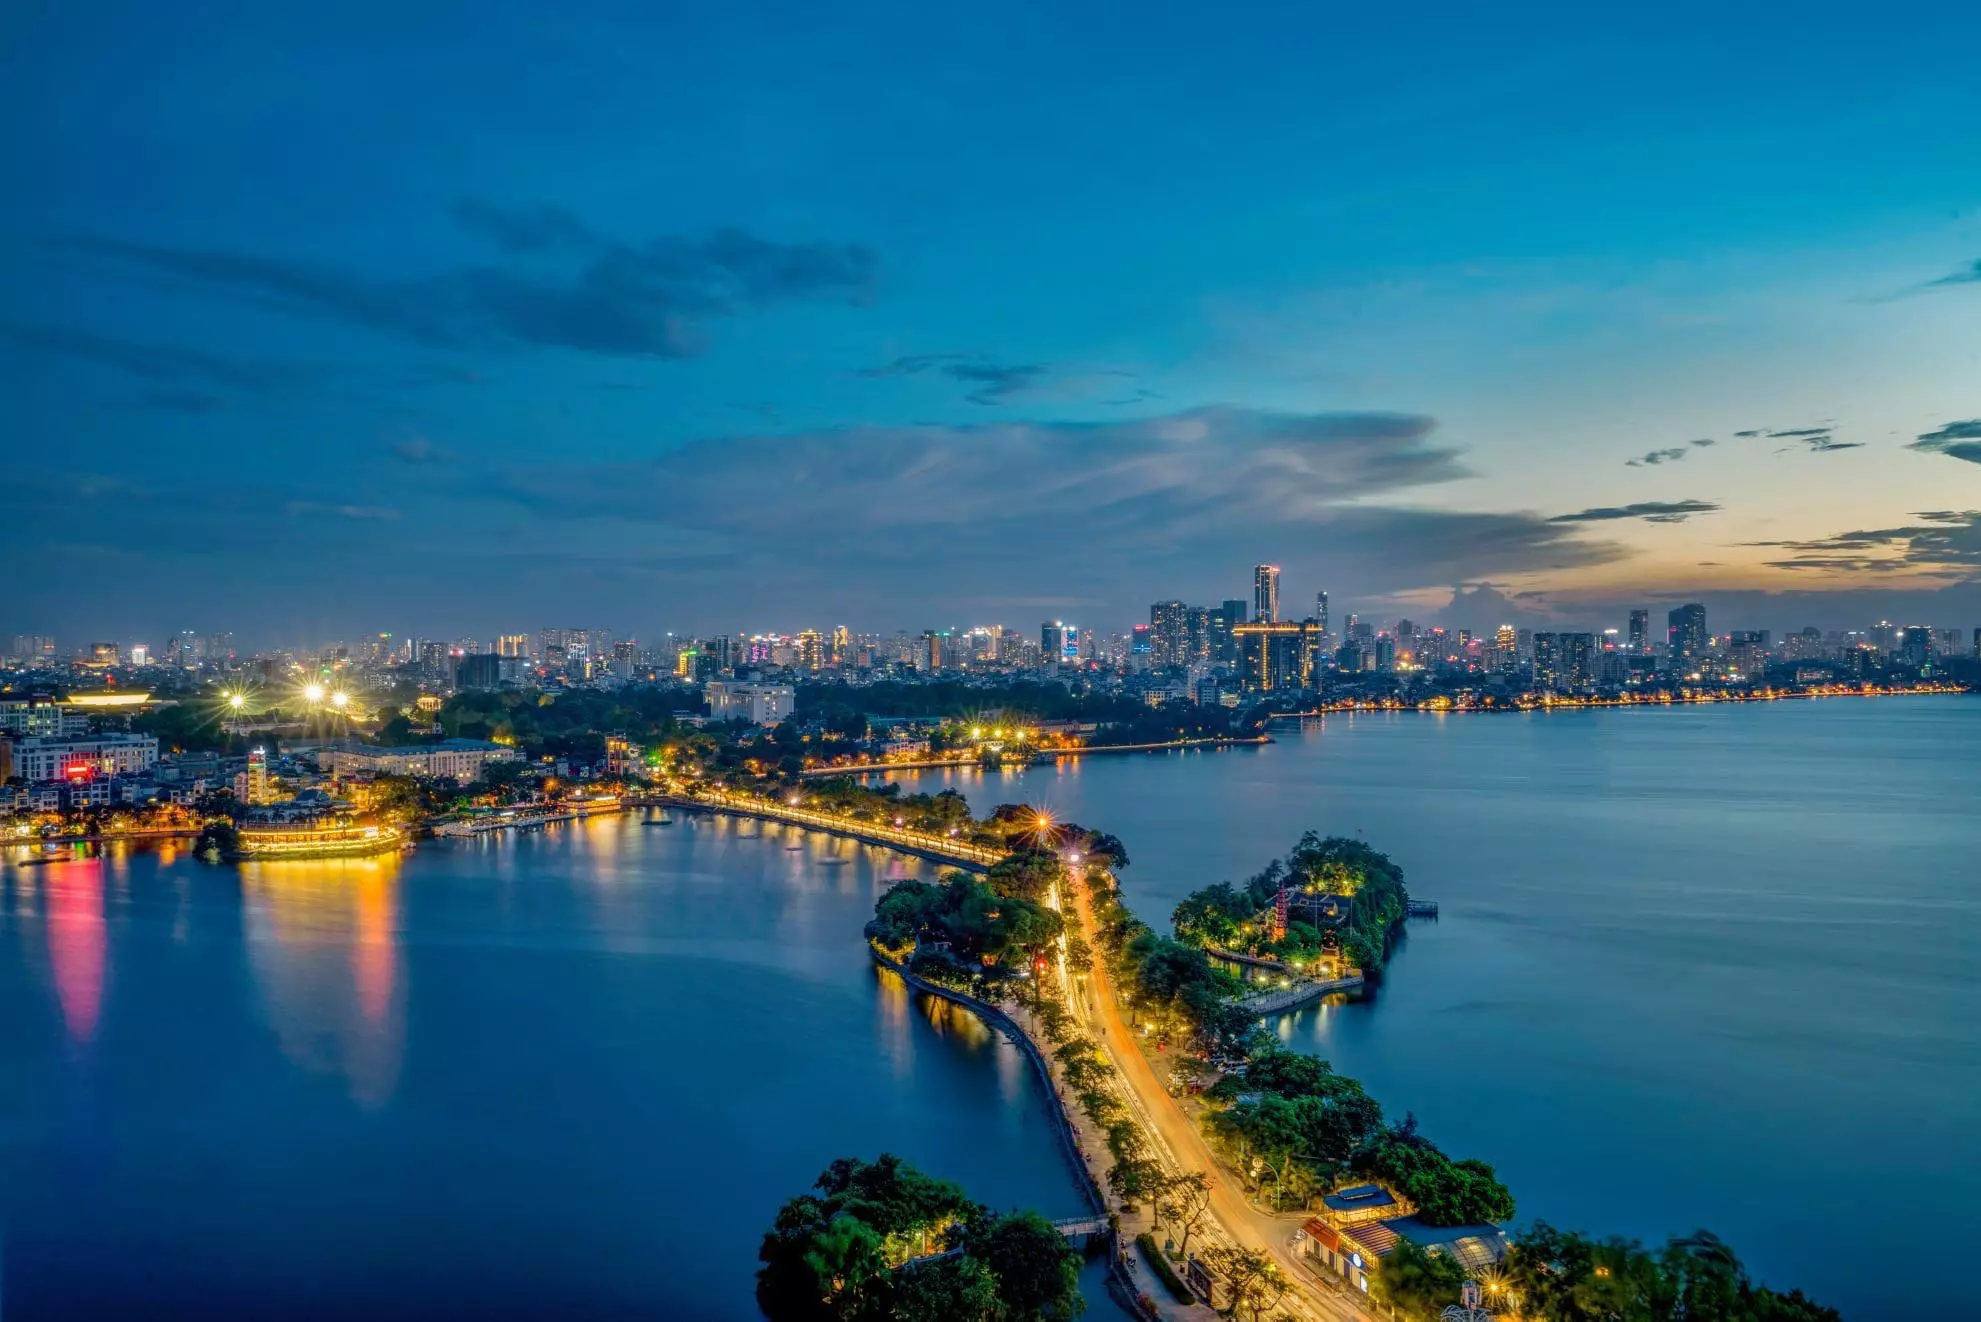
(1506, 649)
(39, 759)
(1265, 594)
(1640, 633)
(1167, 638)
(621, 755)
(1915, 646)
(1224, 648)
(513, 644)
(44, 716)
(1059, 642)
(102, 656)
(842, 644)
(1685, 632)
(1320, 610)
(33, 647)
(463, 759)
(1279, 657)
(811, 650)
(257, 787)
(758, 704)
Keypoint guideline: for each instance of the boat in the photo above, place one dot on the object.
(658, 821)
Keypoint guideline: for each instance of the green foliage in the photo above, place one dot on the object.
(1171, 1281)
(1037, 1271)
(863, 1247)
(1446, 1192)
(1567, 1277)
(1417, 1283)
(977, 922)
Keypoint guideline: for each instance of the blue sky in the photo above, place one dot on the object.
(453, 318)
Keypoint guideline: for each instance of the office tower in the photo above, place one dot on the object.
(1279, 656)
(1685, 632)
(1506, 649)
(1229, 616)
(1321, 610)
(1915, 646)
(1547, 660)
(1196, 634)
(33, 646)
(811, 650)
(1053, 635)
(1640, 633)
(1385, 653)
(1265, 594)
(842, 643)
(1167, 632)
(513, 645)
(1576, 668)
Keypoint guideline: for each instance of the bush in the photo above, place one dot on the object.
(1171, 1281)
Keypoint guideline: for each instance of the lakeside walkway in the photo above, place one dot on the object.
(1038, 757)
(940, 849)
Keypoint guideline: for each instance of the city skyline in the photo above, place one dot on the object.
(652, 340)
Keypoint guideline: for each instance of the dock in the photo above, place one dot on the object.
(1421, 909)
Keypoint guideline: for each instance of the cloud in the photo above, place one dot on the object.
(1960, 440)
(990, 382)
(1751, 433)
(994, 381)
(945, 518)
(1945, 542)
(1966, 275)
(541, 228)
(164, 363)
(620, 299)
(1816, 440)
(364, 513)
(420, 450)
(1670, 454)
(1651, 511)
(1704, 443)
(1138, 396)
(1799, 432)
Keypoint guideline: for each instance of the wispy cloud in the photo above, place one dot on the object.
(420, 450)
(1966, 275)
(1671, 454)
(619, 299)
(1650, 511)
(1959, 440)
(1945, 542)
(163, 363)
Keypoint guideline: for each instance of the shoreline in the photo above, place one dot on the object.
(1038, 759)
(1350, 707)
(1125, 1289)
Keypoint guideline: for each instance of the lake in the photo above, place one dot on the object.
(1695, 966)
(565, 1074)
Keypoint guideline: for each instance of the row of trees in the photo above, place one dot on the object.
(881, 1240)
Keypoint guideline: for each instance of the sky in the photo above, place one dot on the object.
(320, 320)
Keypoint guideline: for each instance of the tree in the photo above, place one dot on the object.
(1037, 1271)
(1253, 1280)
(1187, 1198)
(946, 1290)
(1418, 1283)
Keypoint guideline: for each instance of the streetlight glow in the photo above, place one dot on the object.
(313, 693)
(340, 699)
(237, 700)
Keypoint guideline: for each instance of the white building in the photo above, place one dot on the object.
(39, 759)
(42, 716)
(759, 704)
(463, 759)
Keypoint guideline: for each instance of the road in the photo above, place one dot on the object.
(1176, 1135)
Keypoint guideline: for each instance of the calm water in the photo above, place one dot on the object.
(1704, 966)
(570, 1074)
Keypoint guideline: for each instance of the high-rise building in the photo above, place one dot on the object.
(1506, 649)
(1915, 646)
(1321, 610)
(1197, 633)
(1279, 656)
(1685, 632)
(1168, 632)
(811, 650)
(1224, 646)
(1052, 641)
(1640, 633)
(513, 644)
(1265, 594)
(257, 784)
(1977, 641)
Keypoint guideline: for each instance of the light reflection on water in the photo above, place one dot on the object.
(323, 941)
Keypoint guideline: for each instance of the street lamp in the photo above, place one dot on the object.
(237, 700)
(312, 692)
(340, 699)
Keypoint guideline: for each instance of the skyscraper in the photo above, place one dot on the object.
(1167, 632)
(1685, 632)
(1640, 633)
(1265, 594)
(1321, 610)
(1231, 614)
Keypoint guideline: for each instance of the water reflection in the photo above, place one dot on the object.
(323, 940)
(77, 942)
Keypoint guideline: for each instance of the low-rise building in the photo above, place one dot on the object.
(758, 704)
(39, 758)
(462, 759)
